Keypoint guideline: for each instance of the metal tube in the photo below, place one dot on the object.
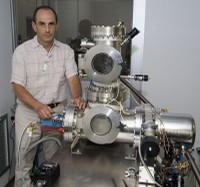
(125, 137)
(122, 137)
(180, 127)
(193, 166)
(135, 92)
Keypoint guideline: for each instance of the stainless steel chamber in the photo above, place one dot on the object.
(157, 140)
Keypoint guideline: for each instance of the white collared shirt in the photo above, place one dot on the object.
(43, 74)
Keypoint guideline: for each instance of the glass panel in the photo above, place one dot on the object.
(102, 63)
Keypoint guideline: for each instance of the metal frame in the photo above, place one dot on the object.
(4, 144)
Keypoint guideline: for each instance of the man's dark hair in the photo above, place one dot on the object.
(45, 7)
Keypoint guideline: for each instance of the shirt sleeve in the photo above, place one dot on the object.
(70, 64)
(18, 67)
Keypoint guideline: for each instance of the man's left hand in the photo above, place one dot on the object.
(79, 102)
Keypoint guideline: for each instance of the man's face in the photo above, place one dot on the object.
(45, 26)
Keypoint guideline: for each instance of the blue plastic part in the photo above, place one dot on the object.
(52, 122)
(182, 158)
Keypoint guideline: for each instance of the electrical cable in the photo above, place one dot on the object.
(115, 100)
(19, 147)
(32, 146)
(165, 134)
(43, 140)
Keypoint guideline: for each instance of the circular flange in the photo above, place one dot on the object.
(100, 124)
(102, 63)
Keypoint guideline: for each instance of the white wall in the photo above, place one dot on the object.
(172, 57)
(7, 98)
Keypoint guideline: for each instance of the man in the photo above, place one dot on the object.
(40, 68)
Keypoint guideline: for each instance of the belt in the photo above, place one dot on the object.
(53, 105)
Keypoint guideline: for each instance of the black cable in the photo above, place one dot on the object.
(13, 148)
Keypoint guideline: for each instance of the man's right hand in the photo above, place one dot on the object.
(44, 111)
